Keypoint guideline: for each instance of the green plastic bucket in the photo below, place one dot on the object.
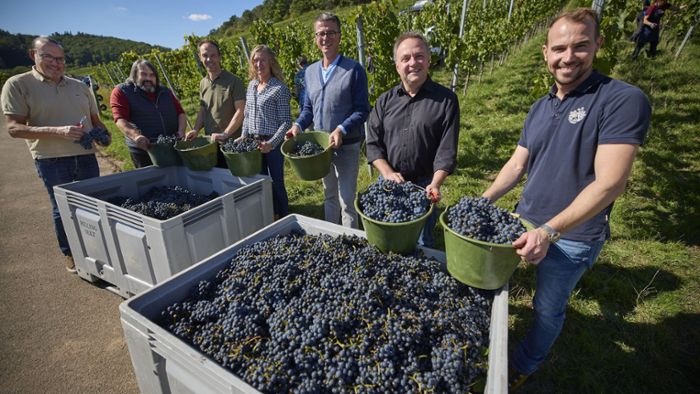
(392, 237)
(309, 168)
(164, 155)
(198, 154)
(484, 265)
(245, 163)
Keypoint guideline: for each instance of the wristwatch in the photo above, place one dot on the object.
(552, 234)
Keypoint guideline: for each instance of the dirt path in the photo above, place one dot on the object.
(58, 333)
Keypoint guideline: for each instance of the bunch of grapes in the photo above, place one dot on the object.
(98, 135)
(243, 145)
(322, 314)
(169, 139)
(388, 201)
(307, 148)
(477, 218)
(164, 202)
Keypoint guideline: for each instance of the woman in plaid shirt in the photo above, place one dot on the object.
(267, 117)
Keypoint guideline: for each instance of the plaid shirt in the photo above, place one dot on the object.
(267, 113)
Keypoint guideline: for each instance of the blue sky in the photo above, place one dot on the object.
(155, 22)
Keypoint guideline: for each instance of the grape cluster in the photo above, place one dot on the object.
(243, 145)
(307, 148)
(97, 134)
(164, 202)
(479, 219)
(321, 314)
(170, 139)
(388, 201)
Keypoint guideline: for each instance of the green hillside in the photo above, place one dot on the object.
(81, 49)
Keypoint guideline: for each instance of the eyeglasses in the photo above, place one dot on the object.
(329, 33)
(46, 56)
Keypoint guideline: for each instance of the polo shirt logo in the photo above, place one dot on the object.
(577, 115)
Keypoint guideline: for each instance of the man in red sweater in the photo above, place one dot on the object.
(143, 110)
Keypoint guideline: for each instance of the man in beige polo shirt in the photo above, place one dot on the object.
(222, 99)
(51, 113)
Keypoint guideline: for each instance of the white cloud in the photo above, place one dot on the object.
(199, 17)
(121, 9)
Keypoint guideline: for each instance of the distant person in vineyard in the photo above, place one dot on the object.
(414, 127)
(299, 85)
(45, 108)
(639, 20)
(221, 100)
(143, 109)
(577, 147)
(267, 117)
(336, 102)
(651, 27)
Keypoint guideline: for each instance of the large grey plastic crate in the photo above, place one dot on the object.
(164, 363)
(133, 252)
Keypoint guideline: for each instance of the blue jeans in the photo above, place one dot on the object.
(60, 170)
(557, 275)
(273, 165)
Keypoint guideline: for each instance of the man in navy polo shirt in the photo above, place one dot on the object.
(577, 147)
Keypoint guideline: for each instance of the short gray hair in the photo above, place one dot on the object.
(328, 16)
(43, 40)
(134, 73)
(411, 34)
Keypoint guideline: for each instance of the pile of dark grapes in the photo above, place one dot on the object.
(98, 135)
(388, 201)
(477, 218)
(307, 148)
(167, 139)
(321, 314)
(243, 145)
(164, 202)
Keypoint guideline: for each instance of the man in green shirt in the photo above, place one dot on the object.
(221, 99)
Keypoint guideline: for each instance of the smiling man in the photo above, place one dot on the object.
(51, 113)
(577, 147)
(221, 100)
(143, 110)
(414, 127)
(336, 102)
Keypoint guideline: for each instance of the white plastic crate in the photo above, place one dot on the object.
(164, 363)
(133, 252)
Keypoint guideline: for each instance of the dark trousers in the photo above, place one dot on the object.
(60, 170)
(273, 165)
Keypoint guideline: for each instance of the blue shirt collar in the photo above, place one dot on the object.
(594, 79)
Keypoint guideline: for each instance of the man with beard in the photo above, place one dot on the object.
(221, 100)
(143, 110)
(577, 147)
(51, 113)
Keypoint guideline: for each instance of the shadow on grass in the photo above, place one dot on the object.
(595, 350)
(668, 187)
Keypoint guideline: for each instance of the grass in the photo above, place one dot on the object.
(632, 323)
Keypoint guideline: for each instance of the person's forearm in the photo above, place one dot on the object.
(19, 130)
(507, 178)
(439, 178)
(199, 122)
(592, 199)
(235, 123)
(383, 167)
(128, 129)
